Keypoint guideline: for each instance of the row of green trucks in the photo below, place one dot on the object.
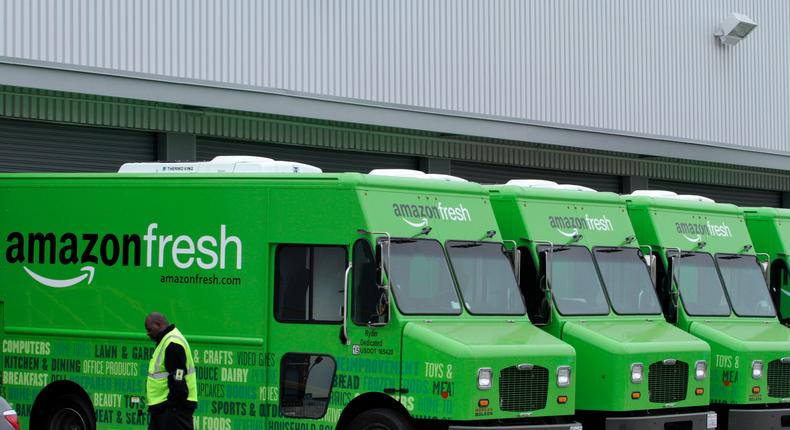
(396, 300)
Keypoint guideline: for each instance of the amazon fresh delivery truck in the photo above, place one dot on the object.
(770, 232)
(712, 285)
(586, 282)
(311, 301)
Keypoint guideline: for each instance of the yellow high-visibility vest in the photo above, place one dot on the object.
(156, 385)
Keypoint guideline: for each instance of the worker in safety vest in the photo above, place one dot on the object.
(171, 387)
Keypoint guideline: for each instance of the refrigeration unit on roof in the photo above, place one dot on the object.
(672, 195)
(416, 174)
(541, 183)
(222, 164)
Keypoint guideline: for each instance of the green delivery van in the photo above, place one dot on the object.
(586, 282)
(770, 232)
(310, 300)
(712, 285)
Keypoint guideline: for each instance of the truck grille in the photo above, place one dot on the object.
(523, 390)
(778, 379)
(668, 382)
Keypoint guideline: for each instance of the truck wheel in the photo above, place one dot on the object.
(381, 419)
(70, 412)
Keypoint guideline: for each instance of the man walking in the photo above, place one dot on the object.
(171, 387)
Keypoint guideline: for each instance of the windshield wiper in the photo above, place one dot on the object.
(730, 257)
(466, 245)
(608, 250)
(403, 240)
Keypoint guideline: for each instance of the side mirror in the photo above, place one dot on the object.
(545, 310)
(381, 316)
(765, 265)
(542, 314)
(548, 268)
(672, 305)
(382, 309)
(674, 263)
(650, 262)
(382, 261)
(514, 255)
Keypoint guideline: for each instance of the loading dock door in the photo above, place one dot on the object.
(27, 146)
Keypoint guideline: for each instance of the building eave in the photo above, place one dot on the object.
(113, 83)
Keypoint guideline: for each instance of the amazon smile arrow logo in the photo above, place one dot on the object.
(574, 233)
(424, 223)
(63, 283)
(695, 239)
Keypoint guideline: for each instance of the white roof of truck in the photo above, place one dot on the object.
(672, 195)
(541, 183)
(223, 164)
(417, 174)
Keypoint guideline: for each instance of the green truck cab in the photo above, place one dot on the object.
(770, 232)
(310, 300)
(586, 283)
(711, 284)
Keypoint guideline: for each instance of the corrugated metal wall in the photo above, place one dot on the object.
(40, 147)
(104, 112)
(647, 67)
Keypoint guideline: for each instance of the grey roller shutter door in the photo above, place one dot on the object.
(328, 160)
(27, 146)
(494, 174)
(738, 196)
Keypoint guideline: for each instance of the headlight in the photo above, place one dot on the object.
(485, 377)
(563, 376)
(700, 370)
(637, 373)
(757, 369)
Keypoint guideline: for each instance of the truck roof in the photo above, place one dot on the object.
(681, 204)
(552, 193)
(351, 180)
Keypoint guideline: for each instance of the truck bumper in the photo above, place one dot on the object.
(763, 419)
(689, 421)
(571, 426)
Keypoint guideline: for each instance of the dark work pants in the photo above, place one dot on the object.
(171, 419)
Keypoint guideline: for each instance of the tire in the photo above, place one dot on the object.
(381, 419)
(70, 412)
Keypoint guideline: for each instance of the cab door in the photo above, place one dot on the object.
(373, 330)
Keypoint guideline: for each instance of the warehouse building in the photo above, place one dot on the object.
(612, 94)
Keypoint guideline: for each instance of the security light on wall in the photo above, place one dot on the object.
(735, 28)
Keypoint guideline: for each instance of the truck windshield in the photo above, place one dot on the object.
(700, 287)
(627, 281)
(575, 284)
(486, 278)
(420, 278)
(745, 285)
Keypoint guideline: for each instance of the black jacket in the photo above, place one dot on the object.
(175, 358)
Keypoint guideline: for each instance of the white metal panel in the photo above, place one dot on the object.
(648, 67)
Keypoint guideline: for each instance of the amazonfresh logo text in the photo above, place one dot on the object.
(693, 232)
(151, 249)
(581, 223)
(423, 213)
